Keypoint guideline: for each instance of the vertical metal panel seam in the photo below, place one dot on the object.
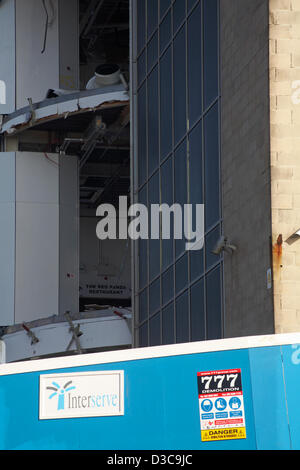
(286, 401)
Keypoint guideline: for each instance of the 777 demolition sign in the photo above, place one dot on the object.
(221, 405)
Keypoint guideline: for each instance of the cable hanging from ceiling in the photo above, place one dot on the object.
(47, 22)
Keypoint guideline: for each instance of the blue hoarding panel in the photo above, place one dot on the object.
(291, 365)
(271, 420)
(161, 408)
(161, 401)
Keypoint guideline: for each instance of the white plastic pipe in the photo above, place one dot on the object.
(105, 75)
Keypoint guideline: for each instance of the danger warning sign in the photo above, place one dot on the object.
(223, 434)
(221, 405)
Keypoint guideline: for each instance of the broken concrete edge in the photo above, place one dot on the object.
(61, 108)
(105, 311)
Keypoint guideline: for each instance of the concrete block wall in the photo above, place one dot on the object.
(245, 154)
(285, 159)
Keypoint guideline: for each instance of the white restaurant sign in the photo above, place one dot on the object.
(81, 395)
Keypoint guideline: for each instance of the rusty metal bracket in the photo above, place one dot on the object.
(30, 333)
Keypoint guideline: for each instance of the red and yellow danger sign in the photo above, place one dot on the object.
(223, 434)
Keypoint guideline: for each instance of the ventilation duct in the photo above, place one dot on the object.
(105, 75)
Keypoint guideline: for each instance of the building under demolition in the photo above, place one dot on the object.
(160, 102)
(65, 148)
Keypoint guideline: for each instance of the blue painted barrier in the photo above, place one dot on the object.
(160, 395)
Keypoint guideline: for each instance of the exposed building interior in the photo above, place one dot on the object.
(77, 123)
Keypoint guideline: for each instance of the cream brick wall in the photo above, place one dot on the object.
(245, 151)
(285, 159)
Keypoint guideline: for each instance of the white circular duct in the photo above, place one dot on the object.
(105, 75)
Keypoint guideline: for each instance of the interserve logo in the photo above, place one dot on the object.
(81, 394)
(60, 391)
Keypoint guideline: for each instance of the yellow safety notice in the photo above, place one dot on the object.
(223, 434)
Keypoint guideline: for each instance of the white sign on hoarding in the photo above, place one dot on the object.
(81, 395)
